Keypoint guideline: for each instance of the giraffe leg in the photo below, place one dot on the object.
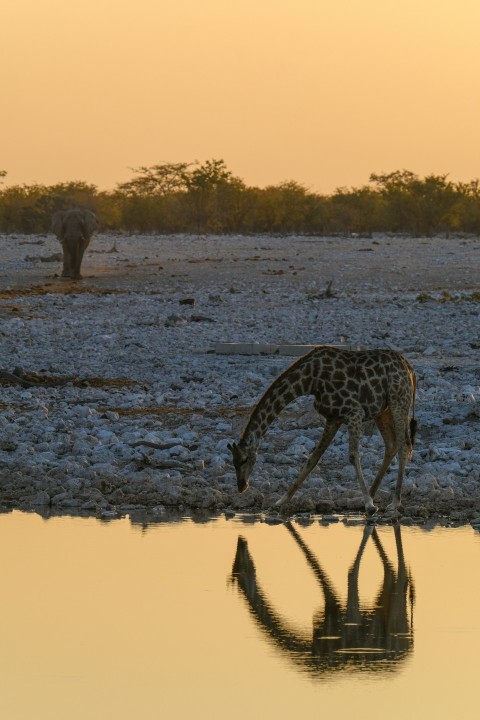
(396, 506)
(354, 425)
(385, 424)
(353, 613)
(400, 419)
(329, 432)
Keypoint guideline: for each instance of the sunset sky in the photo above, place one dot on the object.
(319, 91)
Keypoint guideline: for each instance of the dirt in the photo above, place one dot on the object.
(153, 264)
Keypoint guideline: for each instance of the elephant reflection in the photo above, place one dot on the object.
(74, 229)
(346, 636)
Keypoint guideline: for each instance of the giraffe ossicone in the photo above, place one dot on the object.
(349, 387)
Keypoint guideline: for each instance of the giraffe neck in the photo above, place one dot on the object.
(293, 383)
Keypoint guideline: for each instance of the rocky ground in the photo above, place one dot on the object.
(114, 399)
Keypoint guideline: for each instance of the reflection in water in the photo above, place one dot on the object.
(345, 636)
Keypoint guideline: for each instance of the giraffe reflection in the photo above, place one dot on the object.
(345, 636)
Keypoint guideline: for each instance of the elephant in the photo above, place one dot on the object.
(74, 229)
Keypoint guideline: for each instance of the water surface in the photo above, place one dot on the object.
(236, 619)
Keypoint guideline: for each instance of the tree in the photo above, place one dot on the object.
(287, 207)
(468, 206)
(212, 192)
(419, 207)
(163, 179)
(399, 211)
(29, 208)
(207, 197)
(354, 210)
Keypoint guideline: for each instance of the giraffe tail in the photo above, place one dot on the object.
(413, 422)
(413, 430)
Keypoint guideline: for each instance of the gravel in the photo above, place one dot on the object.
(114, 400)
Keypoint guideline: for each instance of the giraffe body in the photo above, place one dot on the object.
(349, 387)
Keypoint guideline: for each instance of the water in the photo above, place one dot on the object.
(233, 619)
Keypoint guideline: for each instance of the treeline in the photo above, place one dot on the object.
(208, 198)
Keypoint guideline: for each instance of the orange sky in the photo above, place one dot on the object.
(319, 91)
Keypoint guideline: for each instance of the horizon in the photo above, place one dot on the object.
(321, 93)
(4, 184)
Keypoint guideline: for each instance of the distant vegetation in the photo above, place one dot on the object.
(208, 198)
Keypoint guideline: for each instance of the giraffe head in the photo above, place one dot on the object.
(243, 460)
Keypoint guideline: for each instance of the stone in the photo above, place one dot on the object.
(136, 364)
(39, 499)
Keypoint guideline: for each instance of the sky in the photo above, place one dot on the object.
(323, 92)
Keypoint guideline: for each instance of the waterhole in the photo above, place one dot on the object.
(235, 619)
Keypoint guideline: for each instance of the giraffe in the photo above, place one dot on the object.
(349, 387)
(347, 633)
